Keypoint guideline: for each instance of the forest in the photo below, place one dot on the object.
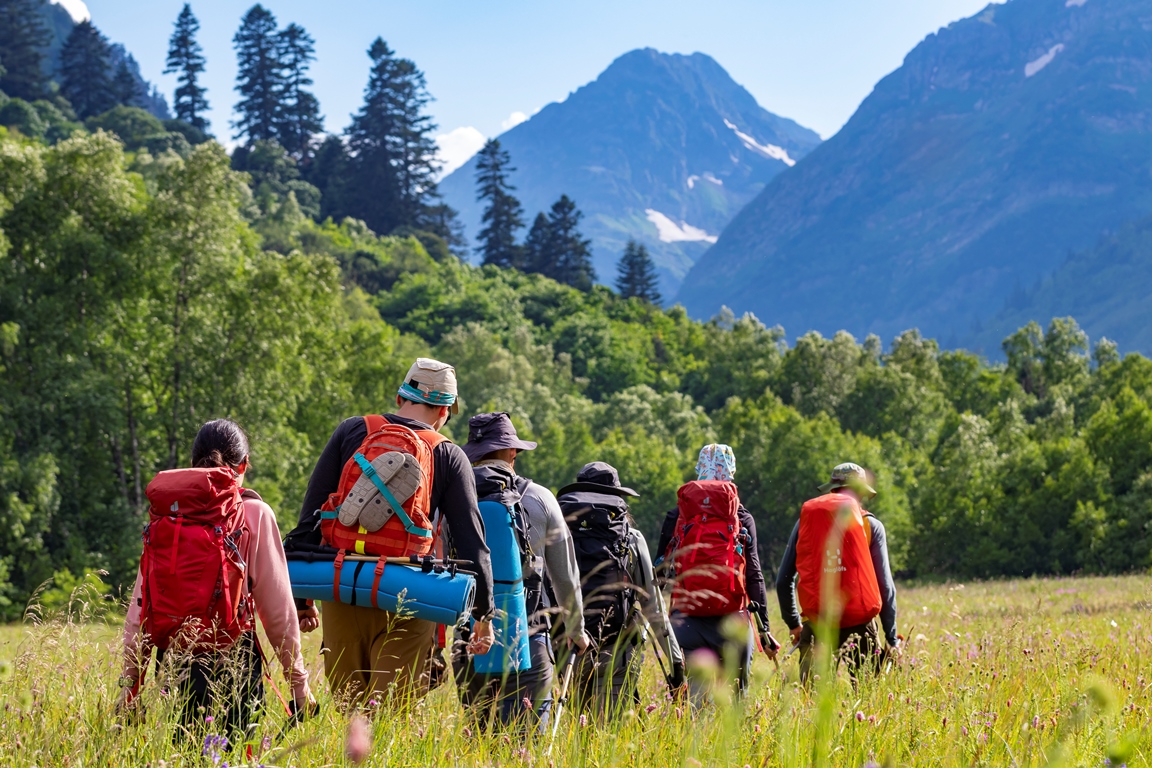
(149, 282)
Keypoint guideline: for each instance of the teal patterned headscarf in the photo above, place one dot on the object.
(717, 462)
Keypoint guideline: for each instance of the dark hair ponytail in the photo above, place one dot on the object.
(219, 443)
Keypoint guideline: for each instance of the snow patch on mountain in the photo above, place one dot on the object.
(76, 9)
(1038, 64)
(767, 150)
(671, 232)
(706, 177)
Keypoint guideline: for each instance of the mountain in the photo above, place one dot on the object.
(1004, 141)
(1106, 288)
(662, 148)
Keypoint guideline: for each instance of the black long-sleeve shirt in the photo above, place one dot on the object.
(877, 547)
(453, 494)
(753, 575)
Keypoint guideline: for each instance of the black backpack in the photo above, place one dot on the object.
(600, 534)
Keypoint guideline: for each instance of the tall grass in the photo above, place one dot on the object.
(1038, 672)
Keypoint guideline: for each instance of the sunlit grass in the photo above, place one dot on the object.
(1036, 672)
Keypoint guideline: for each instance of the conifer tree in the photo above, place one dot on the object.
(392, 154)
(186, 57)
(637, 274)
(503, 215)
(23, 39)
(571, 257)
(537, 248)
(300, 119)
(261, 77)
(127, 88)
(84, 66)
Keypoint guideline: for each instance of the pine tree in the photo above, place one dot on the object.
(637, 274)
(260, 80)
(300, 119)
(392, 154)
(537, 249)
(84, 66)
(503, 215)
(570, 253)
(186, 57)
(23, 39)
(127, 88)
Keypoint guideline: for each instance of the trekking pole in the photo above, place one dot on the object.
(565, 685)
(758, 625)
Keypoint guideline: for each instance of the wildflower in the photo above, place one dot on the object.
(373, 702)
(467, 732)
(583, 721)
(357, 741)
(527, 702)
(872, 719)
(859, 717)
(679, 713)
(648, 709)
(209, 719)
(756, 727)
(1036, 723)
(964, 730)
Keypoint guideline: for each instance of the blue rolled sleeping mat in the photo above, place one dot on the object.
(510, 651)
(433, 595)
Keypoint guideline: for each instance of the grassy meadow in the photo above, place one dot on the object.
(1034, 672)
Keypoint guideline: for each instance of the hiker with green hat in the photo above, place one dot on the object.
(835, 569)
(429, 490)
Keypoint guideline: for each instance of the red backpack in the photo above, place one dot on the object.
(193, 594)
(707, 551)
(408, 529)
(833, 559)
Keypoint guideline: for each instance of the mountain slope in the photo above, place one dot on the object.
(663, 148)
(1105, 288)
(1004, 141)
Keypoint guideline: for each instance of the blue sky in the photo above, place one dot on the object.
(489, 63)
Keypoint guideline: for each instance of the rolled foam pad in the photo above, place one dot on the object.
(437, 597)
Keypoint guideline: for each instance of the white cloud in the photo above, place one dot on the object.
(1074, 3)
(671, 232)
(513, 120)
(1036, 65)
(457, 147)
(771, 151)
(76, 9)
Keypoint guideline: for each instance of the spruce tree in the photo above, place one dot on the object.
(300, 119)
(503, 215)
(84, 66)
(186, 57)
(260, 80)
(127, 88)
(637, 274)
(23, 40)
(392, 154)
(570, 253)
(537, 248)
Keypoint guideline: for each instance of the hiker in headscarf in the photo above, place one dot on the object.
(718, 597)
(622, 603)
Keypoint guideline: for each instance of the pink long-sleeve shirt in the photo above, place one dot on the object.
(271, 590)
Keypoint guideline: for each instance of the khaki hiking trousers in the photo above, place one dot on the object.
(370, 653)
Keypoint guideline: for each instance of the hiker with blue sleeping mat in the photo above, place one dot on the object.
(533, 560)
(622, 603)
(375, 495)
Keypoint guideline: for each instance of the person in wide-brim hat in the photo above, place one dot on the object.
(488, 432)
(852, 476)
(599, 477)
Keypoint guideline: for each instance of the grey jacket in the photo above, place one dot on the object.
(651, 600)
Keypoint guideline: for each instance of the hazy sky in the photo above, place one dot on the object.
(811, 60)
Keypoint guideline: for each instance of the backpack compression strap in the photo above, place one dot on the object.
(376, 581)
(336, 566)
(370, 472)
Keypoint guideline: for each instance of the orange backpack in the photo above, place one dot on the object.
(408, 529)
(848, 563)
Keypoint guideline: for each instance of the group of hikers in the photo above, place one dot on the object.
(388, 487)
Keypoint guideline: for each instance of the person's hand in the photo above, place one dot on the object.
(304, 708)
(126, 699)
(795, 632)
(771, 645)
(309, 618)
(583, 642)
(482, 638)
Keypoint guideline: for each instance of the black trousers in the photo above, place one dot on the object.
(227, 686)
(524, 697)
(607, 679)
(858, 647)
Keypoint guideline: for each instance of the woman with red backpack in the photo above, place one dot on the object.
(710, 554)
(212, 561)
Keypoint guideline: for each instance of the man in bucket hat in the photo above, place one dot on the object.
(839, 551)
(367, 651)
(494, 444)
(622, 603)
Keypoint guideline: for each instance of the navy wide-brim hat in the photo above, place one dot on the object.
(598, 477)
(488, 432)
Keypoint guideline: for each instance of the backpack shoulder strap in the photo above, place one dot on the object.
(867, 524)
(432, 438)
(374, 422)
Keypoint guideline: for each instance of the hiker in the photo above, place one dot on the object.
(622, 603)
(835, 537)
(553, 575)
(368, 651)
(216, 662)
(710, 547)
